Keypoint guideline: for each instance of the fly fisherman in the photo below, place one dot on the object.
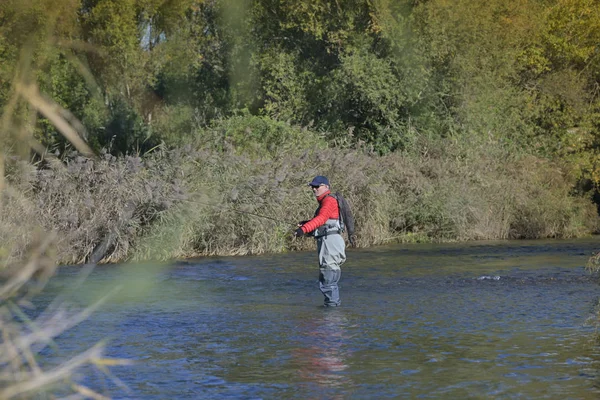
(331, 248)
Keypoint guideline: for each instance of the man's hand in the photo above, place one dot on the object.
(302, 223)
(298, 232)
(352, 240)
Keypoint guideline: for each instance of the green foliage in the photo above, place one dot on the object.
(331, 24)
(472, 52)
(368, 97)
(287, 86)
(118, 58)
(175, 125)
(561, 66)
(125, 131)
(380, 73)
(343, 70)
(259, 136)
(62, 82)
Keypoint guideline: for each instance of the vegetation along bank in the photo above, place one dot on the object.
(438, 120)
(188, 202)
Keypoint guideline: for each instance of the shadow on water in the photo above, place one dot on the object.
(476, 320)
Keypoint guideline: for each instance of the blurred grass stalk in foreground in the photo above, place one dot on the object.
(24, 336)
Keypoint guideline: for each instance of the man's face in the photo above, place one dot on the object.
(319, 190)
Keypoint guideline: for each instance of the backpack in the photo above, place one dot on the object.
(345, 217)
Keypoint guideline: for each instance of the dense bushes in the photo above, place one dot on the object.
(197, 202)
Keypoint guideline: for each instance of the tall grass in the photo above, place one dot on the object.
(28, 255)
(189, 202)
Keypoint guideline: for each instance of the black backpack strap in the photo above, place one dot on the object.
(340, 220)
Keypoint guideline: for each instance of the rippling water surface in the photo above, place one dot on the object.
(479, 320)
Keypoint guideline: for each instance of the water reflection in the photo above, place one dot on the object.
(323, 361)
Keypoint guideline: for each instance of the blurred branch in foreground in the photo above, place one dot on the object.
(27, 330)
(23, 338)
(61, 118)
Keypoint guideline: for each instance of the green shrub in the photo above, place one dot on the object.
(258, 136)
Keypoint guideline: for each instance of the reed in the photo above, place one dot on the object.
(28, 258)
(200, 201)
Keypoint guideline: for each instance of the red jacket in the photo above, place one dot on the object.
(328, 209)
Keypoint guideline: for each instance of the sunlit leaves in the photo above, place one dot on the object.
(285, 85)
(573, 34)
(331, 21)
(524, 71)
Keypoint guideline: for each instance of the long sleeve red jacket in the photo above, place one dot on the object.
(328, 209)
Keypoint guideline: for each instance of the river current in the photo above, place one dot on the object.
(506, 320)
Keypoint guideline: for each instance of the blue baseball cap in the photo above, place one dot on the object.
(319, 180)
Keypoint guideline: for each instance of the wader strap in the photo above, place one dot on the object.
(336, 232)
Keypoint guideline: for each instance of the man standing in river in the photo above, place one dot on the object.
(331, 248)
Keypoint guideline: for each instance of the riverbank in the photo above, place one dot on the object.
(189, 202)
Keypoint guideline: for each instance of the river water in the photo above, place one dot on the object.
(455, 321)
